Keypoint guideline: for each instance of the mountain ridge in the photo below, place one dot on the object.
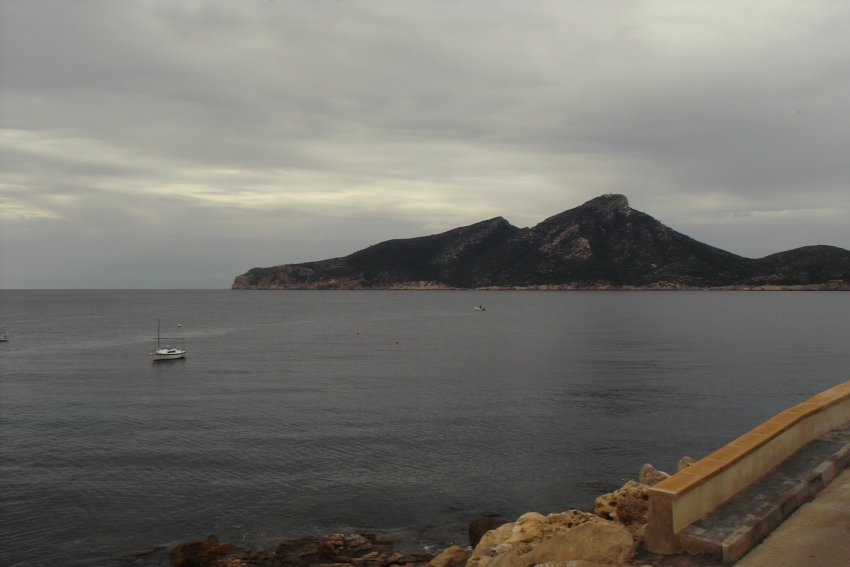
(601, 244)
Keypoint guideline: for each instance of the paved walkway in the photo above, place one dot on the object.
(816, 535)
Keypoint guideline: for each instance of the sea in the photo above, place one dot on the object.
(402, 413)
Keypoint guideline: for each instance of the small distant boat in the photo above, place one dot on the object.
(167, 352)
(4, 337)
(479, 308)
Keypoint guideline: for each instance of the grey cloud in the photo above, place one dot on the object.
(269, 122)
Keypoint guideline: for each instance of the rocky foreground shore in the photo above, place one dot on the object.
(611, 535)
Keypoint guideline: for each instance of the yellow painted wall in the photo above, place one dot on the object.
(693, 493)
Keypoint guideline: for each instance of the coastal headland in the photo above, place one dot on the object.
(603, 244)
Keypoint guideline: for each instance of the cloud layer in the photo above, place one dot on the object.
(176, 144)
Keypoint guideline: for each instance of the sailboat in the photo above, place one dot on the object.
(167, 352)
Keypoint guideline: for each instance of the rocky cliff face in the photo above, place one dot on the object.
(603, 243)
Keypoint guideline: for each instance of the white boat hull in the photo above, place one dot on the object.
(168, 354)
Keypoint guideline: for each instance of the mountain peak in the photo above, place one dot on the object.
(608, 203)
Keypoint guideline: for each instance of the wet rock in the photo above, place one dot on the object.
(231, 561)
(201, 553)
(304, 551)
(337, 550)
(363, 550)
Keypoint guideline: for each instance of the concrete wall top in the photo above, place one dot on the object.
(727, 456)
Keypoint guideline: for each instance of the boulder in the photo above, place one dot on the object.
(651, 476)
(628, 505)
(481, 525)
(569, 536)
(494, 537)
(684, 463)
(454, 556)
(579, 563)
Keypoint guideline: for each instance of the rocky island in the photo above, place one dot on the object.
(602, 244)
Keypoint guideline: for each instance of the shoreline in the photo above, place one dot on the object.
(432, 286)
(611, 534)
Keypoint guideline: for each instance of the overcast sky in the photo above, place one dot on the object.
(178, 143)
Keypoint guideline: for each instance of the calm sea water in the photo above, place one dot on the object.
(408, 413)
